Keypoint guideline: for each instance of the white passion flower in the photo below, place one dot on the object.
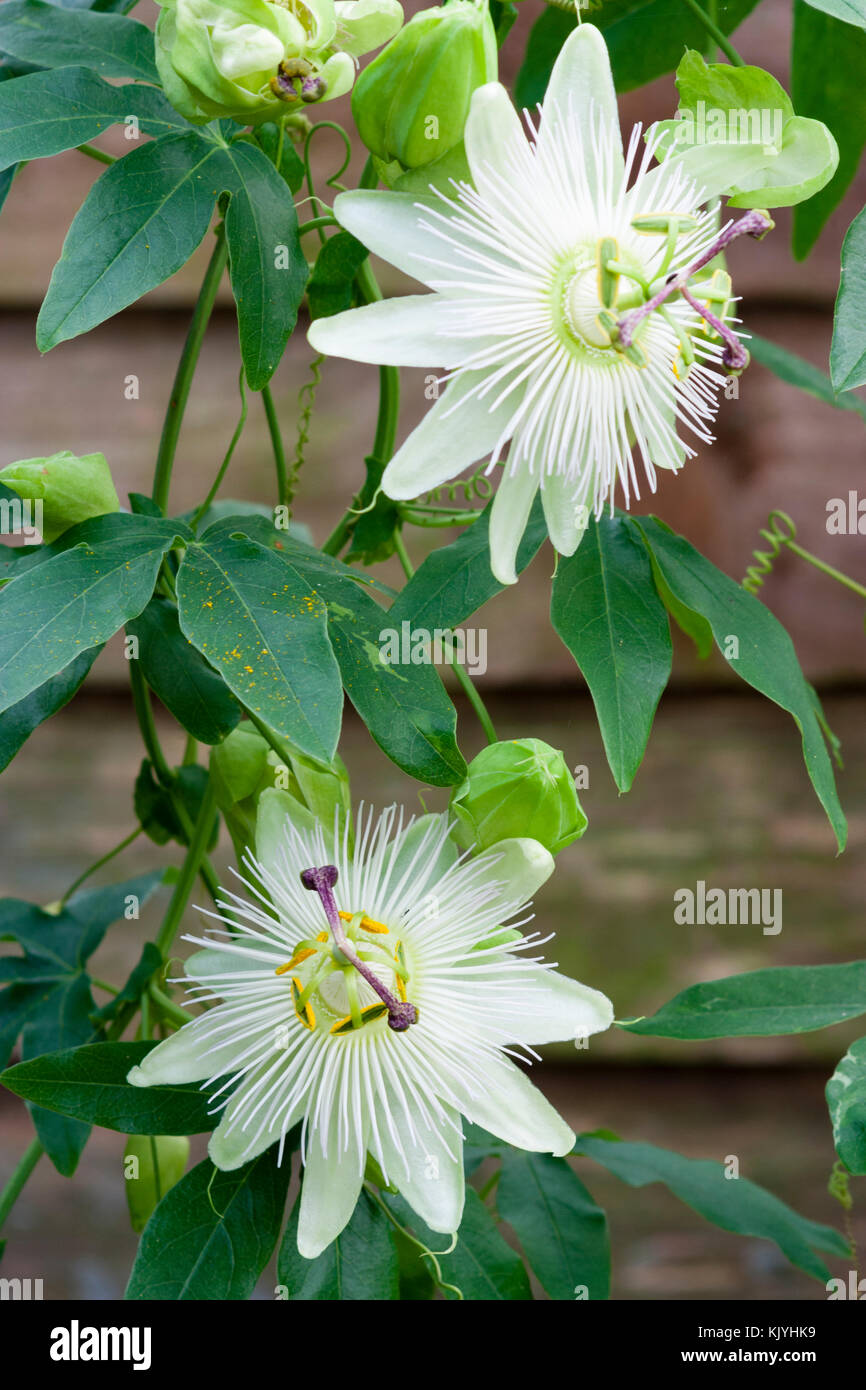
(563, 305)
(376, 1008)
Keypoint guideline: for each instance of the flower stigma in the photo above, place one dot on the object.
(351, 950)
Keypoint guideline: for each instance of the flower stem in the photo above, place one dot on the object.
(189, 870)
(92, 152)
(153, 748)
(12, 1190)
(223, 468)
(277, 445)
(168, 1008)
(106, 858)
(368, 291)
(186, 370)
(715, 32)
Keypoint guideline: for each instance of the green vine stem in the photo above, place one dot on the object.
(93, 153)
(368, 291)
(12, 1190)
(715, 33)
(276, 445)
(463, 677)
(106, 859)
(186, 370)
(223, 468)
(189, 870)
(164, 774)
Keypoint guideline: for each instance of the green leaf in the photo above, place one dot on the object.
(456, 580)
(267, 266)
(482, 1265)
(47, 112)
(605, 608)
(140, 222)
(797, 372)
(261, 623)
(828, 60)
(331, 284)
(762, 1003)
(408, 713)
(58, 1011)
(361, 1265)
(212, 1234)
(849, 11)
(99, 575)
(188, 687)
(562, 1231)
(546, 38)
(848, 350)
(766, 660)
(407, 709)
(88, 1083)
(18, 721)
(735, 1204)
(846, 1099)
(52, 37)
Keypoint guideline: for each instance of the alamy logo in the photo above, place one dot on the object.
(21, 517)
(713, 907)
(738, 125)
(20, 1290)
(418, 646)
(76, 1343)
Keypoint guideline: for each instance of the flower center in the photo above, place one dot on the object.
(358, 972)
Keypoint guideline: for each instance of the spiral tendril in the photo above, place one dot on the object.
(780, 530)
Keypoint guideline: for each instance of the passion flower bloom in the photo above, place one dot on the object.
(257, 60)
(375, 1009)
(563, 306)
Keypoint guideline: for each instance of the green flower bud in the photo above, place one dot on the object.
(68, 489)
(410, 105)
(520, 788)
(152, 1163)
(244, 765)
(259, 60)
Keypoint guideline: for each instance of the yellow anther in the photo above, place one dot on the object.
(367, 924)
(299, 956)
(371, 1012)
(305, 1015)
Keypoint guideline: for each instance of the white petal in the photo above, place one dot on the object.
(332, 1185)
(408, 332)
(231, 1144)
(388, 224)
(581, 87)
(193, 1053)
(516, 1111)
(458, 431)
(521, 865)
(566, 521)
(508, 517)
(427, 1174)
(563, 1010)
(494, 140)
(203, 965)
